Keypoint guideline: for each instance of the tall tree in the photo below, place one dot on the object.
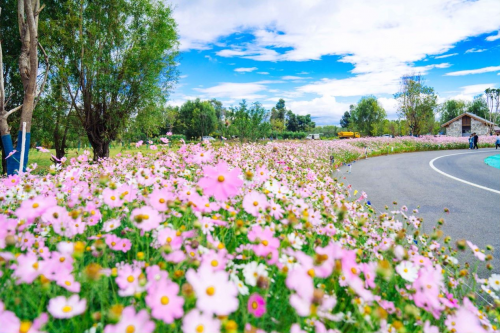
(250, 123)
(367, 114)
(493, 102)
(345, 120)
(27, 23)
(417, 103)
(116, 60)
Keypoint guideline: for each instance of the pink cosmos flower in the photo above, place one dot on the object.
(220, 182)
(195, 322)
(11, 181)
(215, 293)
(10, 323)
(255, 202)
(146, 218)
(169, 133)
(138, 144)
(267, 243)
(112, 198)
(170, 237)
(428, 287)
(153, 147)
(11, 153)
(300, 281)
(43, 150)
(64, 308)
(132, 322)
(164, 301)
(27, 268)
(215, 259)
(35, 207)
(164, 140)
(118, 244)
(159, 199)
(256, 305)
(477, 253)
(128, 280)
(66, 280)
(464, 321)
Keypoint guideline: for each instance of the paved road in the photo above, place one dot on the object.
(411, 181)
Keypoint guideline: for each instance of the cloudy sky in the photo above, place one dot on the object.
(322, 55)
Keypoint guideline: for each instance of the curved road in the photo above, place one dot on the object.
(410, 180)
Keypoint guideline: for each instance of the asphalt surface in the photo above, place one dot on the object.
(408, 179)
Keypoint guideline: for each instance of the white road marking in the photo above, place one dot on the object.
(431, 164)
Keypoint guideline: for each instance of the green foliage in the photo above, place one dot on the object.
(197, 118)
(287, 135)
(451, 109)
(328, 131)
(116, 60)
(367, 114)
(479, 107)
(345, 121)
(298, 123)
(417, 103)
(249, 123)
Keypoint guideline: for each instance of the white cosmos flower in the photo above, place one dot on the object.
(494, 282)
(252, 271)
(407, 270)
(242, 288)
(295, 241)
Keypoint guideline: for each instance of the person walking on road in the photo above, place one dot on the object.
(497, 142)
(471, 141)
(476, 139)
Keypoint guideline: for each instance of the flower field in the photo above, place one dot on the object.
(238, 238)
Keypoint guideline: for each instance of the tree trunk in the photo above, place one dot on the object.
(101, 149)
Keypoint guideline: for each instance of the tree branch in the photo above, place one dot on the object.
(11, 111)
(47, 68)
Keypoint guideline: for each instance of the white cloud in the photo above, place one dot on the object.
(325, 110)
(292, 77)
(211, 59)
(475, 71)
(494, 37)
(234, 91)
(182, 76)
(245, 69)
(303, 73)
(446, 55)
(263, 73)
(474, 50)
(475, 89)
(390, 106)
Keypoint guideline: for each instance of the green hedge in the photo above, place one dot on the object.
(288, 135)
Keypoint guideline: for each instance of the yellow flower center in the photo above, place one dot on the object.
(200, 329)
(113, 197)
(130, 329)
(255, 203)
(67, 308)
(164, 300)
(130, 279)
(265, 242)
(311, 272)
(25, 327)
(405, 270)
(162, 201)
(169, 239)
(113, 243)
(221, 179)
(254, 305)
(210, 291)
(35, 205)
(67, 283)
(214, 263)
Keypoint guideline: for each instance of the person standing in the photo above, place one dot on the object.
(476, 139)
(497, 142)
(471, 141)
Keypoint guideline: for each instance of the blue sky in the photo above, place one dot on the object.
(322, 55)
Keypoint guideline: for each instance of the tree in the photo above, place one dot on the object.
(451, 109)
(367, 114)
(493, 102)
(416, 103)
(345, 120)
(292, 123)
(197, 118)
(479, 107)
(27, 15)
(116, 60)
(250, 123)
(171, 116)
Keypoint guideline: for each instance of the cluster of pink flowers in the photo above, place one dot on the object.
(236, 238)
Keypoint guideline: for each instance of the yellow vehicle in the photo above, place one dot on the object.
(348, 135)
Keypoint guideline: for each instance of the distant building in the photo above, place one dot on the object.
(468, 123)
